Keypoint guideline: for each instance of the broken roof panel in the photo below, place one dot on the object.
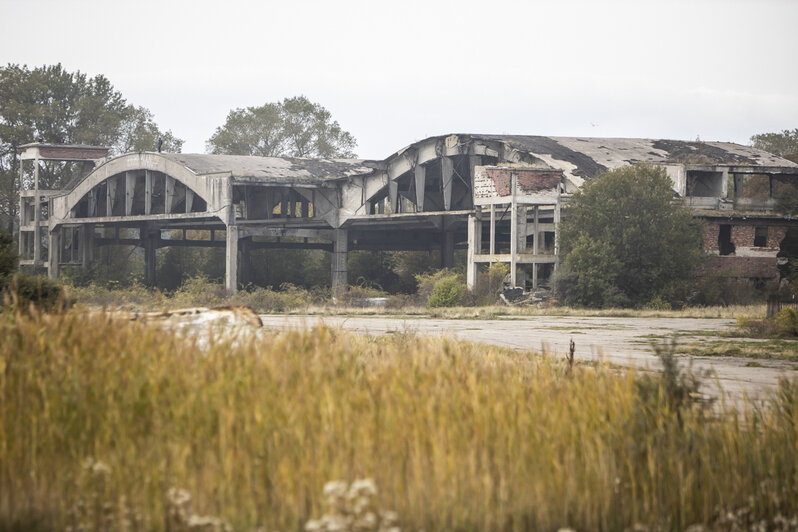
(586, 156)
(247, 168)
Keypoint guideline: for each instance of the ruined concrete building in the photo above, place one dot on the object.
(500, 197)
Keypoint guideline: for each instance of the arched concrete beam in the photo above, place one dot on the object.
(215, 189)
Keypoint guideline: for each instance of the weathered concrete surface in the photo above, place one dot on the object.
(622, 341)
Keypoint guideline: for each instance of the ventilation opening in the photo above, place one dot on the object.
(725, 244)
(761, 237)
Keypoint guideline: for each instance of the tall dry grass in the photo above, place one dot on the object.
(104, 423)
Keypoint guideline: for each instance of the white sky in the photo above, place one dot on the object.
(392, 73)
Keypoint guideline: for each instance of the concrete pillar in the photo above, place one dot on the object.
(420, 174)
(244, 263)
(474, 248)
(339, 257)
(37, 213)
(447, 176)
(513, 233)
(447, 249)
(86, 232)
(54, 252)
(150, 240)
(231, 259)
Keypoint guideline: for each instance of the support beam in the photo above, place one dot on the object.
(169, 196)
(22, 236)
(53, 253)
(447, 249)
(339, 257)
(447, 174)
(231, 259)
(474, 247)
(130, 191)
(492, 230)
(189, 199)
(244, 264)
(393, 194)
(420, 174)
(37, 213)
(151, 241)
(513, 232)
(535, 247)
(92, 211)
(86, 244)
(110, 195)
(147, 192)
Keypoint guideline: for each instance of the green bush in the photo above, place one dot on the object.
(489, 283)
(21, 290)
(448, 291)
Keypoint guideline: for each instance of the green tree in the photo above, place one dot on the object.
(294, 127)
(50, 104)
(625, 242)
(784, 143)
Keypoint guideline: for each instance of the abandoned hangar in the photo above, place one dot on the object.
(500, 197)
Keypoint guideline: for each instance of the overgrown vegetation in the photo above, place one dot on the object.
(625, 243)
(21, 290)
(107, 423)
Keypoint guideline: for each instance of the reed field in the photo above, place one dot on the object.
(111, 425)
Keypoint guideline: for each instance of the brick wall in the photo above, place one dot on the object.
(743, 267)
(742, 235)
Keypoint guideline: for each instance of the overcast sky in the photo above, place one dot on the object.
(392, 73)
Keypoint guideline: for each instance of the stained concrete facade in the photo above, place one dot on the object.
(499, 197)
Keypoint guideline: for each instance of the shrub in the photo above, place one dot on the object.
(488, 285)
(22, 290)
(447, 292)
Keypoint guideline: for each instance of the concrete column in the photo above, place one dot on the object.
(447, 249)
(54, 252)
(474, 247)
(557, 215)
(244, 264)
(85, 238)
(535, 247)
(231, 259)
(420, 174)
(339, 257)
(513, 233)
(37, 213)
(150, 240)
(21, 212)
(447, 175)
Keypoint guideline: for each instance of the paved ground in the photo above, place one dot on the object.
(622, 341)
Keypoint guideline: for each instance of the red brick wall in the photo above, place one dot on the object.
(742, 235)
(529, 180)
(745, 267)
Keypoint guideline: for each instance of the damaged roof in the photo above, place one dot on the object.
(584, 157)
(250, 169)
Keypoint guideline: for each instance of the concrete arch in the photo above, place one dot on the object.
(417, 157)
(215, 189)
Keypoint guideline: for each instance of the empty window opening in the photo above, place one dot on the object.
(761, 236)
(725, 244)
(704, 184)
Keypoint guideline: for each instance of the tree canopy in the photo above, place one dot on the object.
(294, 127)
(49, 104)
(625, 243)
(784, 143)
